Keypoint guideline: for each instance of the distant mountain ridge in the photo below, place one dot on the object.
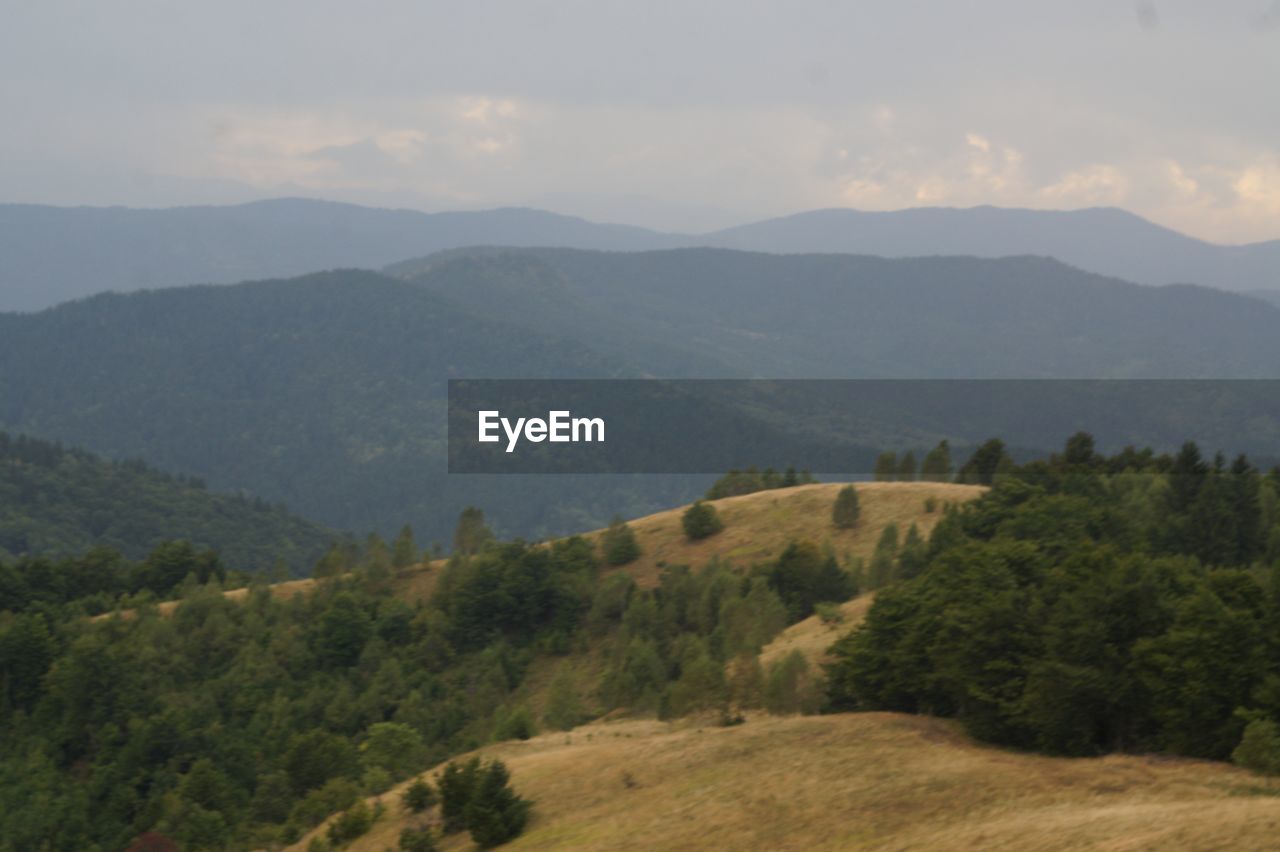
(327, 391)
(50, 255)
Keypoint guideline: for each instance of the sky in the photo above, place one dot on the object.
(679, 116)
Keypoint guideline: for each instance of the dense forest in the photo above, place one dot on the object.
(57, 502)
(1088, 604)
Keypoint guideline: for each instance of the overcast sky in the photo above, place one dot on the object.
(678, 115)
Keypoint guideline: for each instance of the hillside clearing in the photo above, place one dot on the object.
(855, 781)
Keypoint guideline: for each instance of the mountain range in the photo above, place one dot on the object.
(327, 391)
(52, 254)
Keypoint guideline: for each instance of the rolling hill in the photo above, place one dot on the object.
(59, 502)
(327, 391)
(52, 254)
(853, 781)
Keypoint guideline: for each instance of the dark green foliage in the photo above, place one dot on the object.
(913, 556)
(846, 510)
(886, 469)
(418, 840)
(1259, 748)
(419, 796)
(985, 463)
(317, 756)
(495, 813)
(883, 567)
(351, 823)
(515, 724)
(457, 785)
(1077, 609)
(751, 480)
(59, 503)
(564, 709)
(803, 577)
(701, 520)
(936, 466)
(907, 467)
(618, 543)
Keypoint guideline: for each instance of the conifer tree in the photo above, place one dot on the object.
(846, 510)
(619, 543)
(886, 467)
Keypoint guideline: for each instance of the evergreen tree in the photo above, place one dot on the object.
(701, 520)
(564, 708)
(937, 463)
(914, 554)
(1259, 748)
(846, 510)
(907, 467)
(495, 813)
(985, 463)
(419, 796)
(619, 543)
(886, 467)
(881, 570)
(457, 785)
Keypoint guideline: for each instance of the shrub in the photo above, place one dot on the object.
(419, 796)
(417, 840)
(846, 510)
(1259, 748)
(619, 543)
(829, 612)
(701, 520)
(351, 823)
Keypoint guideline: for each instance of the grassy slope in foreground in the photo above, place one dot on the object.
(854, 781)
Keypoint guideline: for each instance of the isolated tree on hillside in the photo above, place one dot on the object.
(886, 467)
(937, 463)
(495, 812)
(846, 510)
(701, 520)
(619, 543)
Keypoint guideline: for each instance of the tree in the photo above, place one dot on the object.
(914, 554)
(419, 796)
(985, 463)
(937, 463)
(471, 534)
(907, 468)
(619, 543)
(344, 629)
(457, 784)
(495, 813)
(316, 757)
(417, 840)
(393, 746)
(881, 570)
(846, 510)
(886, 467)
(404, 551)
(701, 520)
(1259, 748)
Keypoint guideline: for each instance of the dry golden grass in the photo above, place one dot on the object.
(812, 637)
(758, 526)
(855, 781)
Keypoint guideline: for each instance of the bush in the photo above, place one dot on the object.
(419, 796)
(846, 510)
(516, 724)
(701, 520)
(352, 823)
(619, 543)
(829, 612)
(1259, 748)
(417, 840)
